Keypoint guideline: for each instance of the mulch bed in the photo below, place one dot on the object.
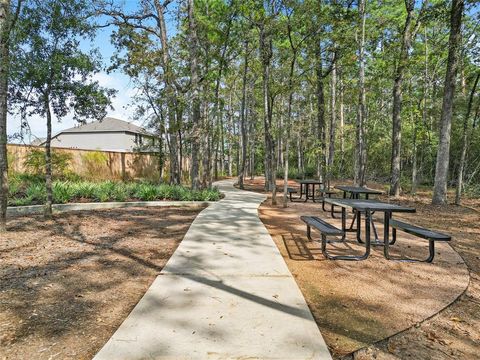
(68, 283)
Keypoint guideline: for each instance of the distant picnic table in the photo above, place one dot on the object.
(356, 191)
(305, 187)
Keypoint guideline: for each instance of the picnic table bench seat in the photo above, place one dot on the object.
(327, 229)
(326, 193)
(290, 191)
(430, 235)
(321, 225)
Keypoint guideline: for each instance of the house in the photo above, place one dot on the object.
(37, 141)
(108, 134)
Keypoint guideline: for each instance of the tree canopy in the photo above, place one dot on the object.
(314, 88)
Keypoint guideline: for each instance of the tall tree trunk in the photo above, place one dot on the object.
(229, 133)
(265, 52)
(342, 123)
(4, 66)
(251, 133)
(236, 129)
(243, 120)
(218, 113)
(161, 158)
(222, 145)
(361, 154)
(397, 102)
(407, 36)
(280, 141)
(333, 121)
(193, 51)
(288, 123)
(458, 192)
(48, 160)
(425, 105)
(171, 98)
(414, 150)
(321, 134)
(300, 162)
(443, 152)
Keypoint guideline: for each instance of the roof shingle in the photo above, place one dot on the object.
(108, 124)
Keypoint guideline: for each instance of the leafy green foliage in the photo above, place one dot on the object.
(30, 190)
(35, 162)
(95, 163)
(50, 72)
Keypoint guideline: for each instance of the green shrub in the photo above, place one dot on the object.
(472, 190)
(36, 193)
(84, 190)
(35, 162)
(30, 189)
(63, 192)
(103, 191)
(146, 192)
(14, 186)
(120, 193)
(95, 164)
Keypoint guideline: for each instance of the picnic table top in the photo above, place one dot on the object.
(372, 205)
(310, 181)
(358, 189)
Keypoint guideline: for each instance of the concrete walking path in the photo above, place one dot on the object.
(226, 293)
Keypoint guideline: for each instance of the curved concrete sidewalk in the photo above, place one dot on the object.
(226, 293)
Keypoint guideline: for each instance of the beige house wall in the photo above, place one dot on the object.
(104, 141)
(94, 164)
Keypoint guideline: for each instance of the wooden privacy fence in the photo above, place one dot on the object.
(93, 164)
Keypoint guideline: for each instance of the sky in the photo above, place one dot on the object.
(122, 102)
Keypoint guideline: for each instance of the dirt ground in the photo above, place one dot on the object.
(389, 310)
(68, 283)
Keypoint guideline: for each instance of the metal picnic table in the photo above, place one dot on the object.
(356, 191)
(368, 207)
(305, 186)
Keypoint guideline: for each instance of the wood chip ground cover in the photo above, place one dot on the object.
(68, 283)
(357, 304)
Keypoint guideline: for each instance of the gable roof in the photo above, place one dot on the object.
(108, 124)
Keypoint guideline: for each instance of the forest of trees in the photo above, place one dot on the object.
(380, 90)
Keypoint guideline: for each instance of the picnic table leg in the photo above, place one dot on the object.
(375, 233)
(367, 241)
(332, 207)
(353, 196)
(368, 216)
(344, 221)
(388, 216)
(359, 226)
(386, 229)
(353, 220)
